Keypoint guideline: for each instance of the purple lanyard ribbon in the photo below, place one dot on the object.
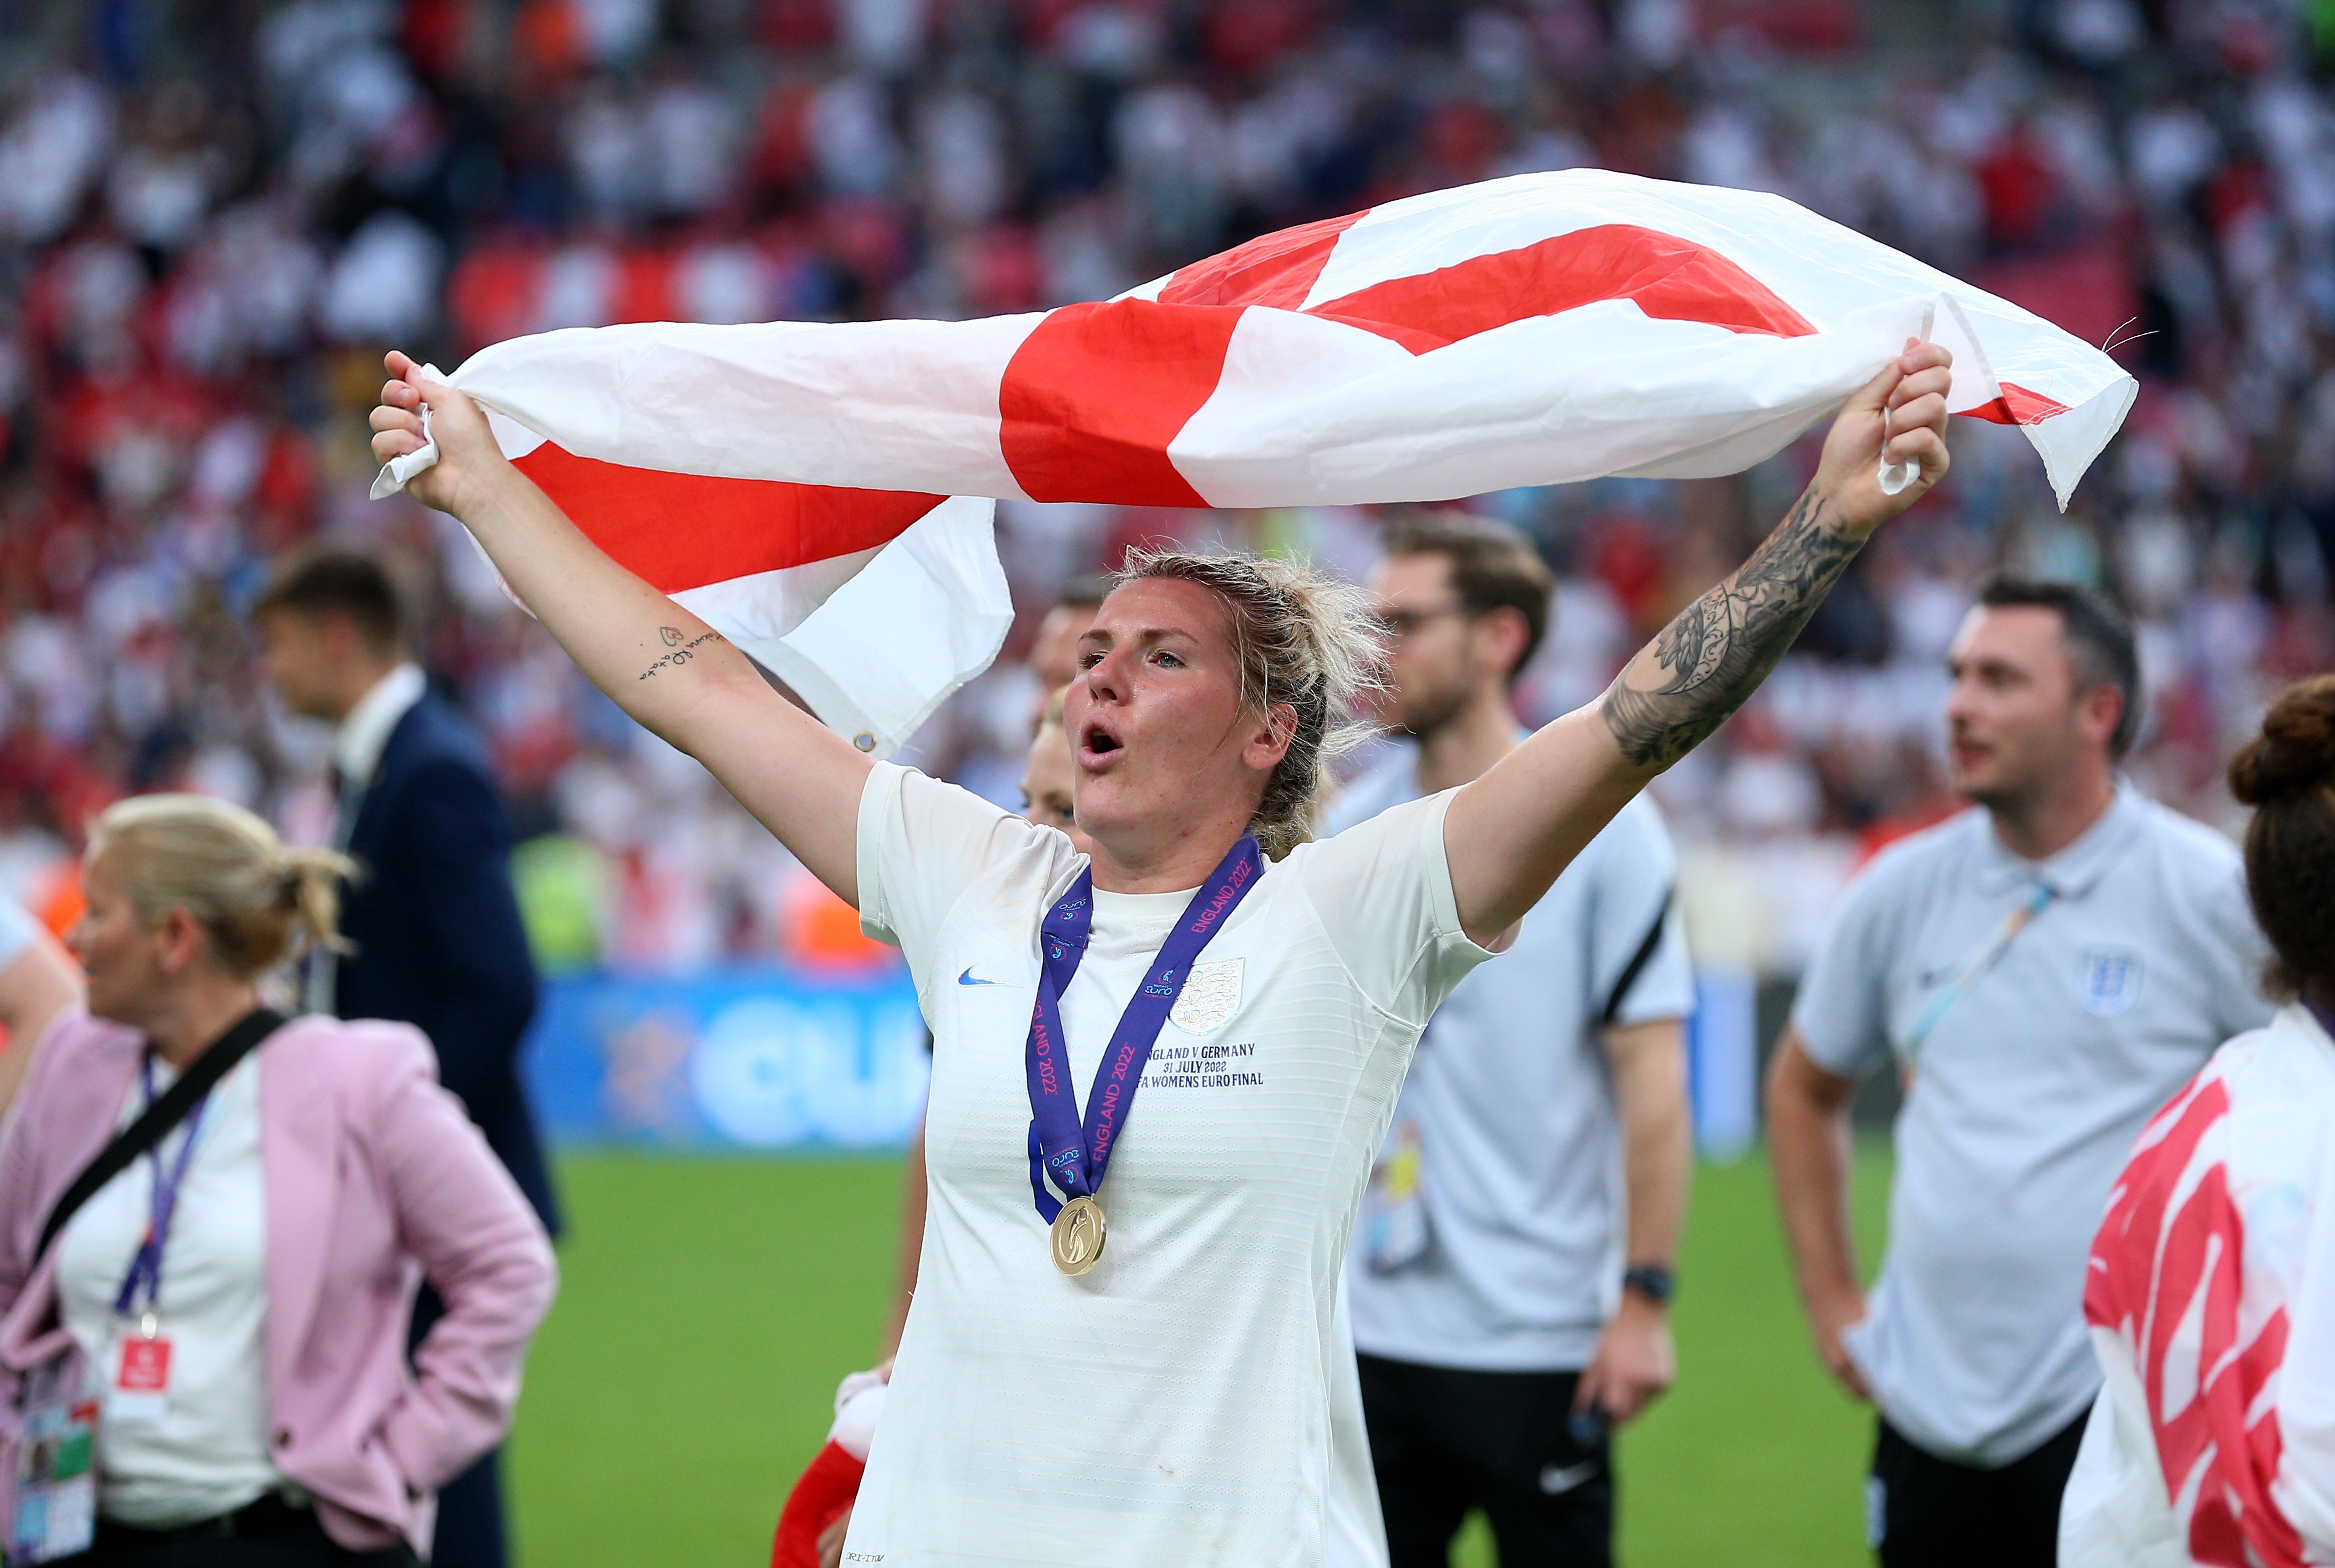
(1073, 1153)
(146, 1265)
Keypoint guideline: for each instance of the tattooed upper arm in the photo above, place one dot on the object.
(1682, 686)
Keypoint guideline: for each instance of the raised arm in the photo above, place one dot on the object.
(1513, 831)
(662, 664)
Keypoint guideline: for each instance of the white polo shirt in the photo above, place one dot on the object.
(1511, 1106)
(2027, 1094)
(1191, 1401)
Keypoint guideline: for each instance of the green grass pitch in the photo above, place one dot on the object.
(708, 1306)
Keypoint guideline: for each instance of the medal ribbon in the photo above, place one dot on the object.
(146, 1265)
(1074, 1153)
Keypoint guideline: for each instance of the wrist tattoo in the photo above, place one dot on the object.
(1684, 685)
(682, 652)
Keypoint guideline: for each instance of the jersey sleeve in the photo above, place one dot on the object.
(922, 843)
(1842, 1011)
(1382, 891)
(1638, 966)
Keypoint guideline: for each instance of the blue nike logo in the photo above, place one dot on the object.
(967, 979)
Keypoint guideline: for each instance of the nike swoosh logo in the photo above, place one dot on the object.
(967, 978)
(1556, 1480)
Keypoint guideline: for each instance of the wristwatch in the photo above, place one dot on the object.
(1655, 1282)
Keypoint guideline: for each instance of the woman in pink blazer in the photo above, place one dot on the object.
(256, 1404)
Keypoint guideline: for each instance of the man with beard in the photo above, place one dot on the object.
(2043, 972)
(1511, 1273)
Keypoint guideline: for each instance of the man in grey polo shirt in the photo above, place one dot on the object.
(2044, 972)
(1511, 1267)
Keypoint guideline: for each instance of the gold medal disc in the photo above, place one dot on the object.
(1076, 1240)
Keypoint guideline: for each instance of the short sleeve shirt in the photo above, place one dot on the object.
(1511, 1107)
(2027, 1090)
(1174, 1405)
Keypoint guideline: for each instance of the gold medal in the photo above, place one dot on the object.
(1076, 1239)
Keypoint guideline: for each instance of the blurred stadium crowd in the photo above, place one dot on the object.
(213, 216)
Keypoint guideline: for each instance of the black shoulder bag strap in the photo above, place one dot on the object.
(154, 1124)
(1638, 961)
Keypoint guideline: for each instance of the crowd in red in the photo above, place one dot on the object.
(213, 217)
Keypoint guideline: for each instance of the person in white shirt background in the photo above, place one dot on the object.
(1511, 1276)
(1153, 1385)
(37, 981)
(2043, 972)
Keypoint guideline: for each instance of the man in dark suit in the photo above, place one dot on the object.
(432, 916)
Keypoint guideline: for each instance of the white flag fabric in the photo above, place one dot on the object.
(1528, 330)
(2212, 1444)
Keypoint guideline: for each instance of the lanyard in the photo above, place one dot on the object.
(146, 1265)
(1977, 964)
(1072, 1153)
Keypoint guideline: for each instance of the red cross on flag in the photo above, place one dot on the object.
(791, 482)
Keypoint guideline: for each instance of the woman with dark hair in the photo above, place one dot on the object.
(2214, 1441)
(1171, 1386)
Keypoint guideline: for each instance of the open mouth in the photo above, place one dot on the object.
(1096, 740)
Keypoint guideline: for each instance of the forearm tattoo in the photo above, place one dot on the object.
(1720, 647)
(682, 652)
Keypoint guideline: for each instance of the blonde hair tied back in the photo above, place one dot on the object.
(1302, 639)
(258, 901)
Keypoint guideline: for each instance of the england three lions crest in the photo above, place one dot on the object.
(2111, 981)
(1212, 994)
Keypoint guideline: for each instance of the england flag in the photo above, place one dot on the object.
(820, 493)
